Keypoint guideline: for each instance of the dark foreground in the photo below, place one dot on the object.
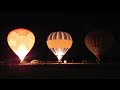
(60, 71)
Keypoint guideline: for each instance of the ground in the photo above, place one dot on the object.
(61, 71)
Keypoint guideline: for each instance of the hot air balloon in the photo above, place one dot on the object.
(59, 43)
(21, 42)
(98, 42)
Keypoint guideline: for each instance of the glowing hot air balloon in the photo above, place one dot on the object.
(59, 43)
(98, 42)
(21, 42)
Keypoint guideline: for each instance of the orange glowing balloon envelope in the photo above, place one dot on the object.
(59, 43)
(21, 42)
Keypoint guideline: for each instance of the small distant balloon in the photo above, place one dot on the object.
(98, 42)
(21, 41)
(59, 43)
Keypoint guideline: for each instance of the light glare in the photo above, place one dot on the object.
(21, 52)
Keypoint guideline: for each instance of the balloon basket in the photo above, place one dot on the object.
(22, 62)
(59, 62)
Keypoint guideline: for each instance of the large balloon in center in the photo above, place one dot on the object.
(21, 41)
(98, 42)
(59, 43)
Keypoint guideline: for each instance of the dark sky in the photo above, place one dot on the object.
(77, 24)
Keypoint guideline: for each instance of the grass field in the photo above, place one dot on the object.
(60, 71)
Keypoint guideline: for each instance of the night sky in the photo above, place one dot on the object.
(77, 24)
